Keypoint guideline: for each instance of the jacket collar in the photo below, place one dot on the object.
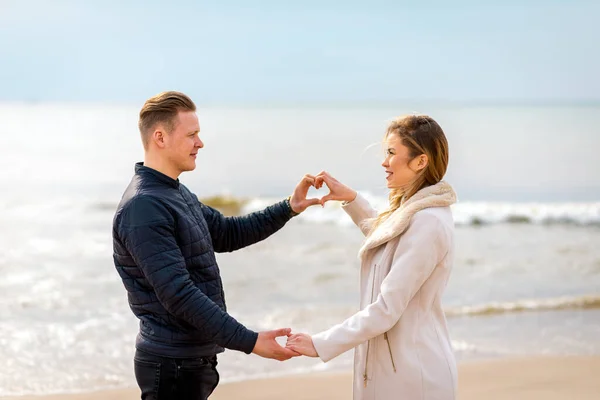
(142, 170)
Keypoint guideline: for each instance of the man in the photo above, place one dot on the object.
(164, 243)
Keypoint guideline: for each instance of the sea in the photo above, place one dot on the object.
(526, 279)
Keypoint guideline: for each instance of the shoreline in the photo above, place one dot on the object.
(530, 377)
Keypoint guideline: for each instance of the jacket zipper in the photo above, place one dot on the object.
(387, 339)
(365, 375)
(385, 335)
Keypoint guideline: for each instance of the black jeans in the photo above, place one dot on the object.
(163, 378)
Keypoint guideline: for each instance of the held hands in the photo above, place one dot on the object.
(302, 344)
(299, 344)
(337, 191)
(267, 347)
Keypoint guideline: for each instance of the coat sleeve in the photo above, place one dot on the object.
(146, 228)
(419, 251)
(233, 233)
(360, 211)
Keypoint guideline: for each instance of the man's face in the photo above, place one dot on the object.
(182, 143)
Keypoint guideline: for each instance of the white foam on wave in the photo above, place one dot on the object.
(558, 303)
(536, 213)
(465, 213)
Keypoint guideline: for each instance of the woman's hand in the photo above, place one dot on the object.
(337, 190)
(301, 343)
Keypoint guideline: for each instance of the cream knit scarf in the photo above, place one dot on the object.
(439, 195)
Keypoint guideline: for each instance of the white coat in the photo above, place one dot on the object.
(400, 336)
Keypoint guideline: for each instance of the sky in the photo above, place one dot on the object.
(301, 51)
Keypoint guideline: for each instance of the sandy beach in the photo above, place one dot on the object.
(531, 378)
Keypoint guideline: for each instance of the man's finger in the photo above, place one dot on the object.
(295, 349)
(309, 180)
(281, 332)
(289, 352)
(313, 202)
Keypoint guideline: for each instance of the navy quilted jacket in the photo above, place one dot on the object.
(164, 243)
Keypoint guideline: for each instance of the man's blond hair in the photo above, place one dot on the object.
(162, 109)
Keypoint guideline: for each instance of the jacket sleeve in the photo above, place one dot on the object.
(233, 233)
(419, 250)
(146, 228)
(360, 211)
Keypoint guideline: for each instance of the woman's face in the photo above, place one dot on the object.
(400, 168)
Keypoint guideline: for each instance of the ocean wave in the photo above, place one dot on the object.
(467, 213)
(479, 213)
(552, 304)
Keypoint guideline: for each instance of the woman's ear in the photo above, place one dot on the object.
(419, 162)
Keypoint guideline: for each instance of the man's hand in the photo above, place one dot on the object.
(266, 346)
(299, 202)
(301, 343)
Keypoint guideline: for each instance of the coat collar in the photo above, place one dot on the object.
(155, 175)
(439, 195)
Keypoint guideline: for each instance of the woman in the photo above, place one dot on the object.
(403, 348)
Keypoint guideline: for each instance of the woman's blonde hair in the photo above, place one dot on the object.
(422, 135)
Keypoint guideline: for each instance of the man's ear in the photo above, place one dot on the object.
(158, 137)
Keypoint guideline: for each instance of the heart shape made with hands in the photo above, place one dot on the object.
(309, 192)
(337, 191)
(319, 182)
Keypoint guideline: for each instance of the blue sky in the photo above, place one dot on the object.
(303, 51)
